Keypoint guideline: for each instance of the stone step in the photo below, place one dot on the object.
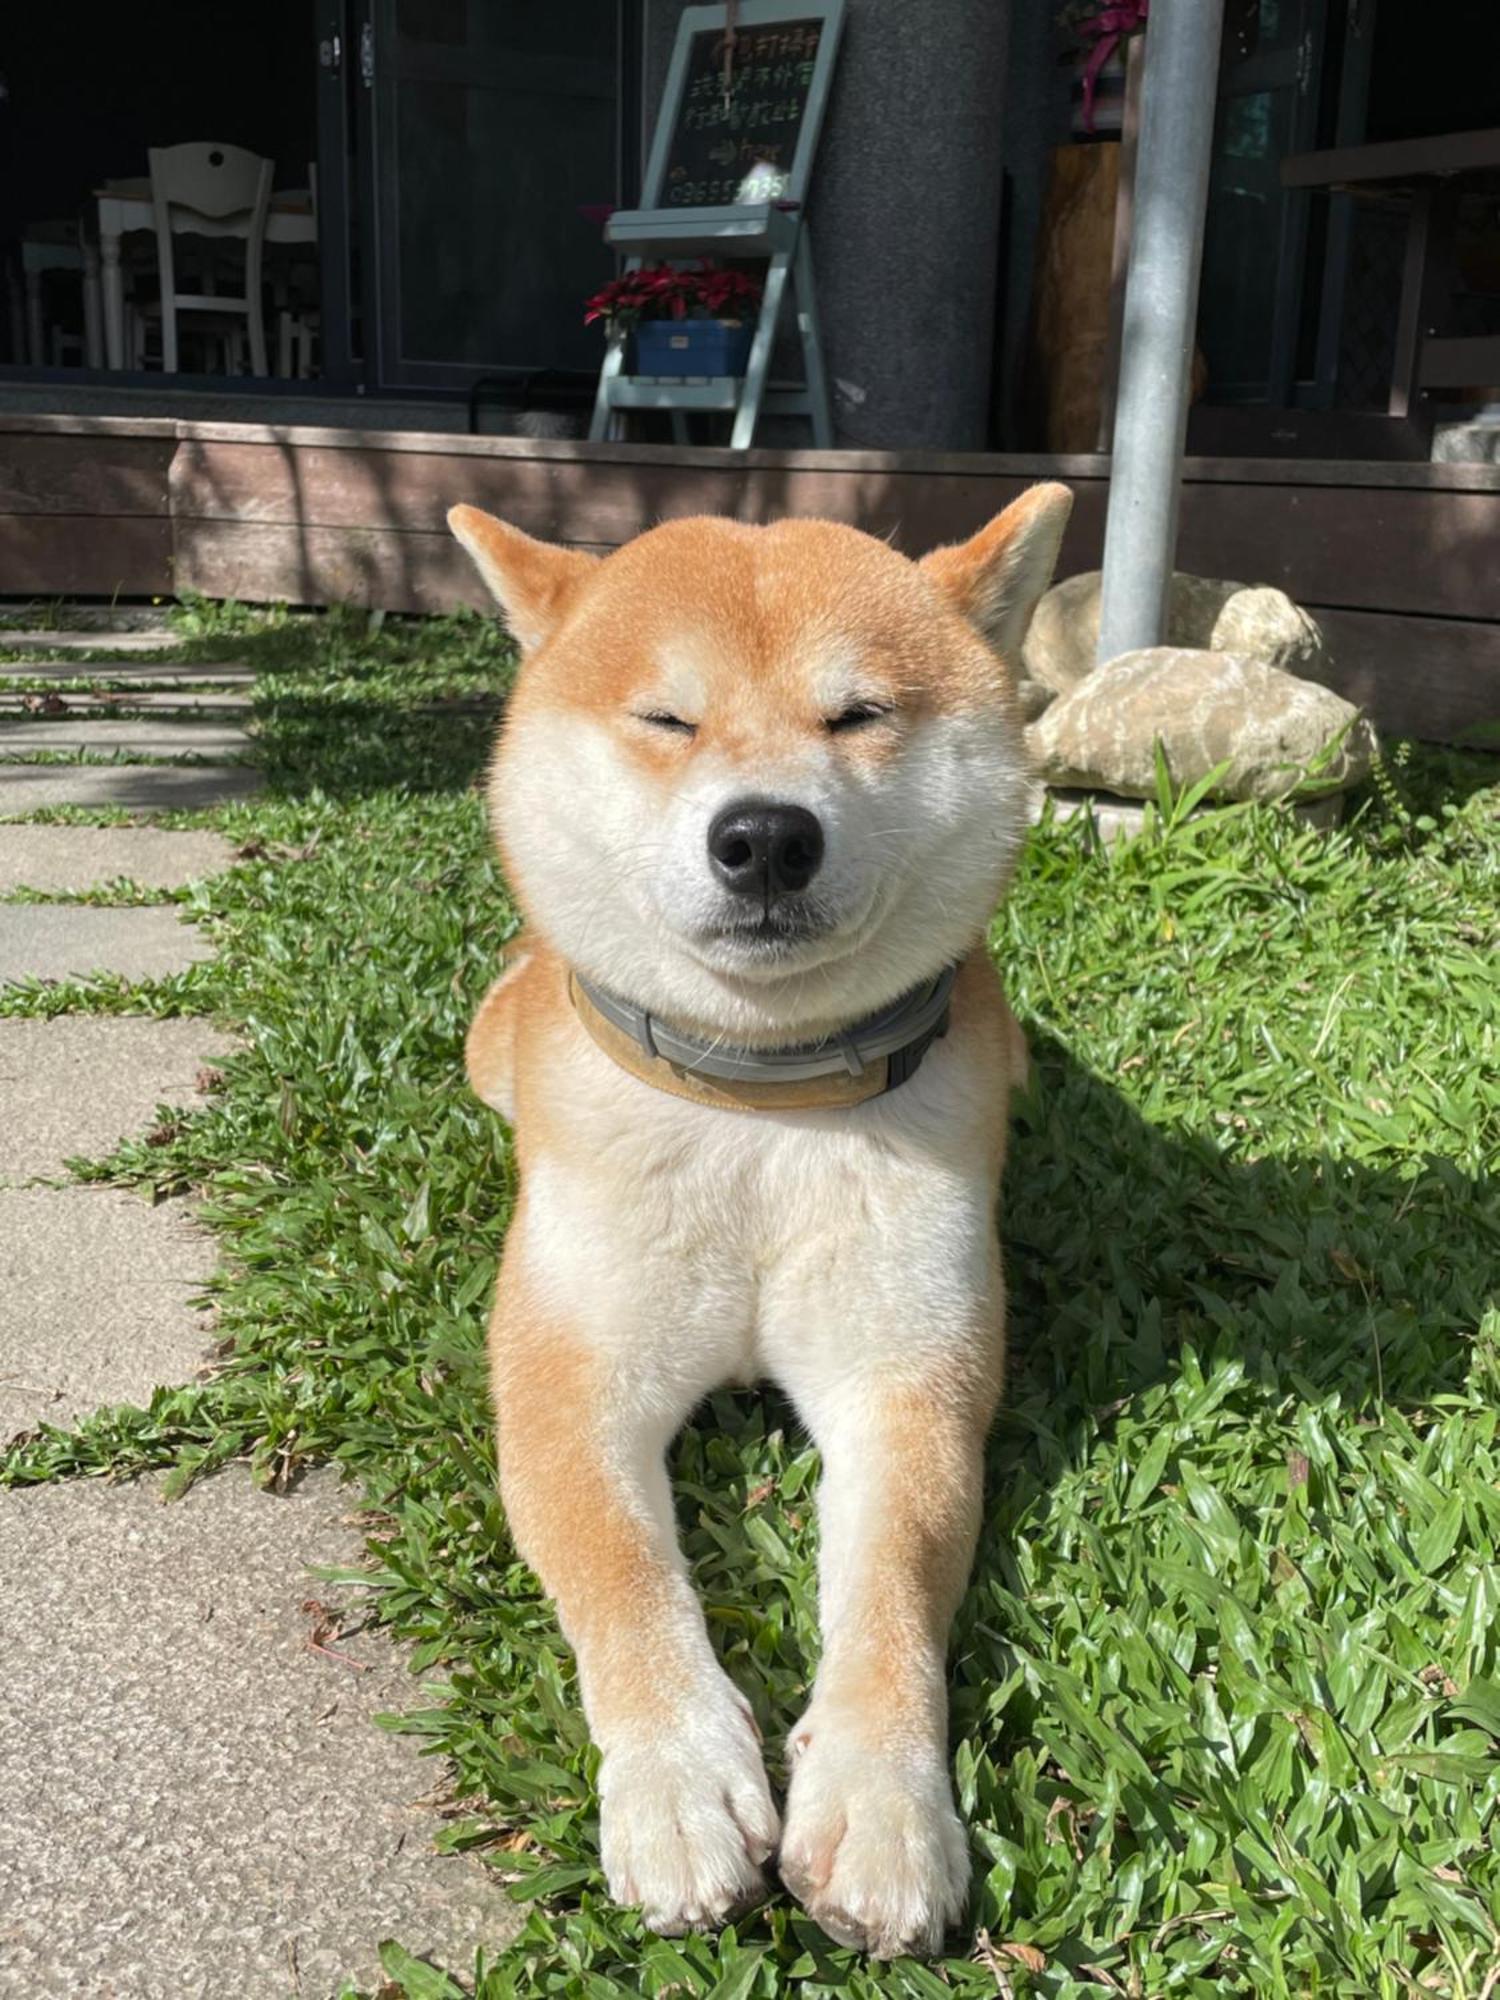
(207, 673)
(79, 940)
(75, 1086)
(75, 617)
(122, 701)
(150, 738)
(13, 639)
(197, 1802)
(52, 859)
(140, 788)
(95, 1291)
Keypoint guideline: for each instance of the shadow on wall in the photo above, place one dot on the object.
(294, 522)
(280, 518)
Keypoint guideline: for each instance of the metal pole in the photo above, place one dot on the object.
(1178, 94)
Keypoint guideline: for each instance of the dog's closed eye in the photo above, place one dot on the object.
(856, 716)
(658, 718)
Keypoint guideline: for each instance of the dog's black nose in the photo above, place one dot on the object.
(765, 851)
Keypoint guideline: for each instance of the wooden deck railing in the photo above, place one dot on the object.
(1400, 562)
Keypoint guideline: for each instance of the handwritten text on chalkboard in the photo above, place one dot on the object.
(736, 143)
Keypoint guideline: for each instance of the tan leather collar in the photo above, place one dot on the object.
(727, 1093)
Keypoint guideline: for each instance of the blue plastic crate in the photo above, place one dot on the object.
(691, 347)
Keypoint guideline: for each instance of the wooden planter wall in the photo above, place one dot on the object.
(1401, 563)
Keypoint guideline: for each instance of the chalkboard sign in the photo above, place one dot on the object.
(730, 161)
(740, 114)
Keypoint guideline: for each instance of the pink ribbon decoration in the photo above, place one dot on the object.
(1108, 28)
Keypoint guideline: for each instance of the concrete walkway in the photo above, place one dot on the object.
(149, 736)
(37, 639)
(197, 1804)
(78, 858)
(124, 673)
(127, 700)
(96, 1302)
(194, 1801)
(75, 1086)
(78, 940)
(137, 788)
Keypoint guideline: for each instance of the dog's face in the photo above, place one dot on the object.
(764, 780)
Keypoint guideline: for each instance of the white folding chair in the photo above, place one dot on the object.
(218, 191)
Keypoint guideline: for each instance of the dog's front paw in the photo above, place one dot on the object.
(686, 1816)
(873, 1849)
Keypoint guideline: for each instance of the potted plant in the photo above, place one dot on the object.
(1101, 31)
(688, 319)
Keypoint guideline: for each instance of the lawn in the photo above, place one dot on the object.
(1226, 1694)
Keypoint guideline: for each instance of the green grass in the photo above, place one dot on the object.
(1226, 1694)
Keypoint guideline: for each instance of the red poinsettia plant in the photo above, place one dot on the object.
(1105, 24)
(673, 291)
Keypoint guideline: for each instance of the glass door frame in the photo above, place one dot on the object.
(334, 47)
(1248, 70)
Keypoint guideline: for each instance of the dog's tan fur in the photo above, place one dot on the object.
(662, 1247)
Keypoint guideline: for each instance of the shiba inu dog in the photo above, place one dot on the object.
(758, 792)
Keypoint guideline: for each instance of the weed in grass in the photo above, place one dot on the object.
(1226, 1693)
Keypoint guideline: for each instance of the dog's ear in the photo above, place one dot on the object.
(996, 577)
(533, 582)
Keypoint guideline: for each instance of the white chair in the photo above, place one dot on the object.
(216, 191)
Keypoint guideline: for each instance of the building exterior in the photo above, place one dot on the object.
(968, 232)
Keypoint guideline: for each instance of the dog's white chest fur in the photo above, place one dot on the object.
(720, 1246)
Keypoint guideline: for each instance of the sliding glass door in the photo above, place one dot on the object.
(490, 135)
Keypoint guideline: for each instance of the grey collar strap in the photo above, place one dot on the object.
(899, 1035)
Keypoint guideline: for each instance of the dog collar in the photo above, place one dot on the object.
(875, 1055)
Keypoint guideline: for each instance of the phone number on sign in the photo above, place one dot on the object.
(726, 192)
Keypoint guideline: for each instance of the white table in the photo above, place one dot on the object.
(126, 205)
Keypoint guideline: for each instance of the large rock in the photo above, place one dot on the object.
(1202, 612)
(1205, 708)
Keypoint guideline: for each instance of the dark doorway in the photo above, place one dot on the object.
(493, 134)
(86, 90)
(1305, 281)
(456, 158)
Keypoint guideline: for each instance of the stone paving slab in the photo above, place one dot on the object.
(95, 1286)
(197, 1804)
(26, 788)
(123, 670)
(41, 641)
(74, 616)
(74, 940)
(53, 858)
(218, 701)
(77, 1085)
(148, 736)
